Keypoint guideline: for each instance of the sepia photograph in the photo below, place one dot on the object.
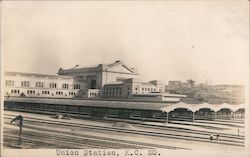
(125, 78)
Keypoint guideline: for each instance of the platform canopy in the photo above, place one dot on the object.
(197, 107)
(133, 105)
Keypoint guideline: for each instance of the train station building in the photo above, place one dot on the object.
(105, 90)
(104, 81)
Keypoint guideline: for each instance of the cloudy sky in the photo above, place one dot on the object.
(200, 40)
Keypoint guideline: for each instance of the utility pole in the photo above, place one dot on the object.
(20, 124)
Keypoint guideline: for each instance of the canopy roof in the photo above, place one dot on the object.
(157, 106)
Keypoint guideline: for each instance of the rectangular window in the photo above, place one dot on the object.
(52, 85)
(142, 89)
(65, 86)
(39, 84)
(25, 83)
(9, 83)
(15, 91)
(30, 92)
(76, 86)
(59, 93)
(45, 92)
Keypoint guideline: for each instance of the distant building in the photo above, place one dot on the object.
(233, 94)
(104, 81)
(129, 87)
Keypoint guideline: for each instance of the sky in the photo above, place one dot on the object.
(207, 41)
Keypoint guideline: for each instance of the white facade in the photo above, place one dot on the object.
(37, 85)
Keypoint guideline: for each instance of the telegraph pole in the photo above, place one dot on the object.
(20, 124)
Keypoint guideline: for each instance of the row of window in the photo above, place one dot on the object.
(15, 91)
(30, 92)
(41, 84)
(59, 93)
(113, 93)
(149, 89)
(113, 88)
(72, 93)
(115, 96)
(128, 88)
(25, 83)
(94, 94)
(45, 92)
(9, 83)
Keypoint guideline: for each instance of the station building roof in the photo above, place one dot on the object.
(10, 73)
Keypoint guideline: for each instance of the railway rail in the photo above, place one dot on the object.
(176, 133)
(50, 135)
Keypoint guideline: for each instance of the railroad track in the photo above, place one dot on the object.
(176, 119)
(187, 130)
(70, 141)
(224, 140)
(49, 135)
